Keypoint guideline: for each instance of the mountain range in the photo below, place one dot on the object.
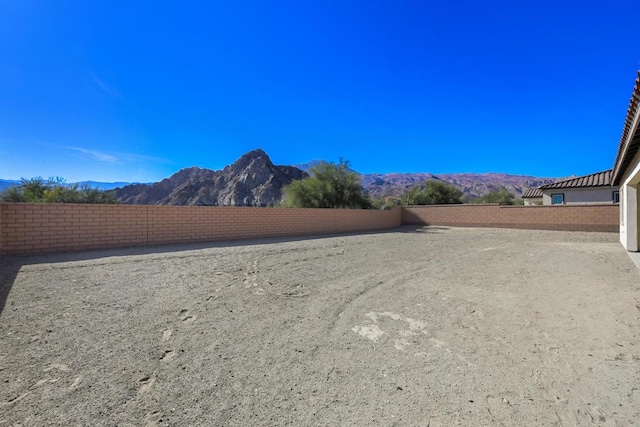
(6, 183)
(253, 180)
(472, 184)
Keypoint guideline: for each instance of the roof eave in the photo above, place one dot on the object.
(629, 132)
(594, 180)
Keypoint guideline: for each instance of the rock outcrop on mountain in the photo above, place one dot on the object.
(253, 180)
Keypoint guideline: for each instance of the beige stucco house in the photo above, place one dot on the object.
(590, 189)
(626, 174)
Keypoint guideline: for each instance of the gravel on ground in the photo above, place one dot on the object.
(425, 326)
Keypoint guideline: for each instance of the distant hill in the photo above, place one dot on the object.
(103, 185)
(253, 180)
(313, 163)
(475, 185)
(7, 183)
(392, 184)
(472, 184)
(306, 166)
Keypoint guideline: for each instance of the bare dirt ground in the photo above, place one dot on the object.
(429, 327)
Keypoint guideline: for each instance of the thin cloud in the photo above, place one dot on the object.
(96, 155)
(135, 157)
(114, 157)
(106, 88)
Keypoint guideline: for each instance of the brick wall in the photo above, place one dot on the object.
(569, 218)
(31, 228)
(1, 227)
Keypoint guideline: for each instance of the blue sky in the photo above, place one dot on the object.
(135, 91)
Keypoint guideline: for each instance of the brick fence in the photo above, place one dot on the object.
(31, 228)
(568, 218)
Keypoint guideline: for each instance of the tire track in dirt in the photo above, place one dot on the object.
(436, 303)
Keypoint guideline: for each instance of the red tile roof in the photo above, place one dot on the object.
(532, 193)
(630, 139)
(598, 179)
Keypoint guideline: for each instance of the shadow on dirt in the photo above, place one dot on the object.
(8, 271)
(418, 228)
(10, 265)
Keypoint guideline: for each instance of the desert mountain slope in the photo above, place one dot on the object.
(253, 180)
(472, 184)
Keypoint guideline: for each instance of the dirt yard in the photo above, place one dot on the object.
(429, 327)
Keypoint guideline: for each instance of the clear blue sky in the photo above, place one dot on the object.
(136, 90)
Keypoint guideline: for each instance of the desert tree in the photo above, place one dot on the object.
(500, 196)
(54, 190)
(330, 185)
(434, 192)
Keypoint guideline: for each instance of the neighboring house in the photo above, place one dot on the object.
(532, 197)
(626, 174)
(590, 189)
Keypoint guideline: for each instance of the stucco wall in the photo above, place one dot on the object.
(533, 201)
(582, 196)
(629, 206)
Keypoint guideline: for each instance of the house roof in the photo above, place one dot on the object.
(598, 179)
(532, 193)
(630, 139)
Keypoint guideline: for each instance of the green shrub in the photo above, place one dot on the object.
(433, 192)
(55, 190)
(501, 196)
(329, 186)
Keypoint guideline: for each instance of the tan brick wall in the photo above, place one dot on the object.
(569, 218)
(1, 227)
(31, 228)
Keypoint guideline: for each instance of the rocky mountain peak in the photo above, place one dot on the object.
(254, 163)
(253, 159)
(252, 180)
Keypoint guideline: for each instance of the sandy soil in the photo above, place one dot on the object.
(430, 327)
